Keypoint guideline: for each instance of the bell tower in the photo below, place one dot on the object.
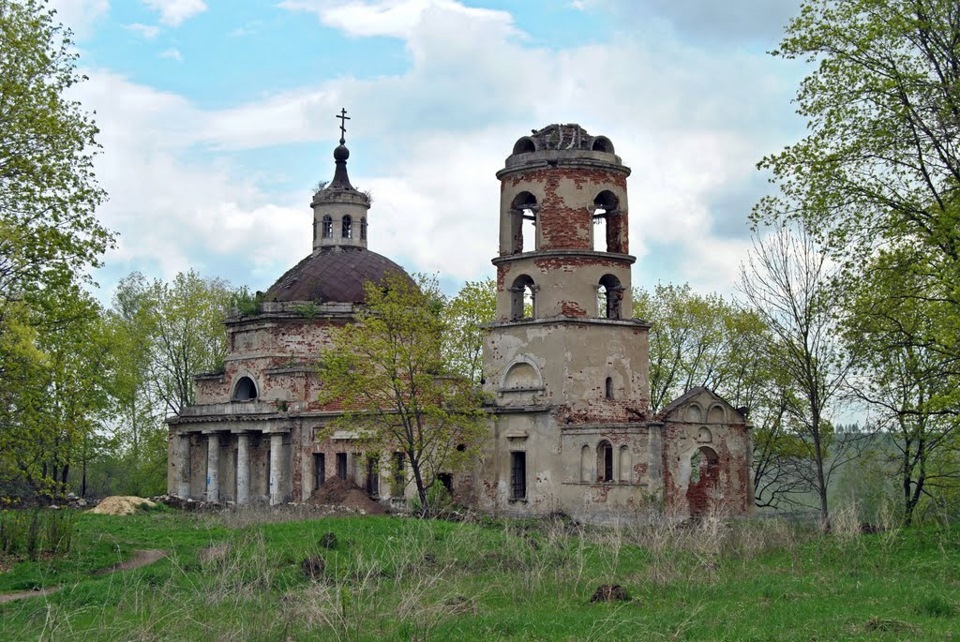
(339, 209)
(565, 364)
(563, 228)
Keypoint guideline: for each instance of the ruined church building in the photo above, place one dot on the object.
(565, 366)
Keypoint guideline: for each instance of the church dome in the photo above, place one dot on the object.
(333, 275)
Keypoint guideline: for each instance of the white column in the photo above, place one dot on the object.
(243, 468)
(276, 448)
(213, 467)
(183, 481)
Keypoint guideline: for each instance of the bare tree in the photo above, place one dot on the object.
(786, 281)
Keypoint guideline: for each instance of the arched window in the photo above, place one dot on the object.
(245, 390)
(523, 301)
(327, 227)
(585, 464)
(608, 388)
(602, 144)
(609, 297)
(524, 145)
(608, 224)
(346, 227)
(363, 229)
(523, 222)
(604, 461)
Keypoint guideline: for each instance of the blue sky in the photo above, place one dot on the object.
(217, 118)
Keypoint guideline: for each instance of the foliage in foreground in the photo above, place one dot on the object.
(397, 389)
(233, 576)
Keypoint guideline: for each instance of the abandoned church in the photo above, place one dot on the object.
(565, 367)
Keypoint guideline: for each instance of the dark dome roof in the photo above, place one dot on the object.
(334, 274)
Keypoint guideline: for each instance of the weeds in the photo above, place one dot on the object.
(34, 533)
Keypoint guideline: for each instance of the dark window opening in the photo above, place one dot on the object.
(346, 227)
(605, 461)
(342, 465)
(327, 227)
(447, 480)
(518, 475)
(608, 223)
(608, 388)
(524, 145)
(399, 475)
(245, 390)
(523, 303)
(610, 297)
(373, 477)
(602, 144)
(523, 222)
(319, 470)
(363, 229)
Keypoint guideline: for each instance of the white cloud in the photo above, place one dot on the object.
(688, 122)
(397, 18)
(173, 54)
(147, 31)
(174, 12)
(80, 15)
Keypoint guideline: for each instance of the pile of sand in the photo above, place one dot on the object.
(345, 494)
(121, 505)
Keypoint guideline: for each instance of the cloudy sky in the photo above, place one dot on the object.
(217, 118)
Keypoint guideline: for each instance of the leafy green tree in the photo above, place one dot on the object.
(876, 181)
(163, 333)
(397, 390)
(48, 193)
(464, 315)
(905, 381)
(61, 398)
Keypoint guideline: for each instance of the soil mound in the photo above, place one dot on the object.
(343, 493)
(121, 505)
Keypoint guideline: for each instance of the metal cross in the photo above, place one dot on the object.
(343, 121)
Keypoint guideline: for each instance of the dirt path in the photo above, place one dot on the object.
(139, 559)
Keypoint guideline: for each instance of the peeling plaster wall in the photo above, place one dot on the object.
(731, 492)
(573, 361)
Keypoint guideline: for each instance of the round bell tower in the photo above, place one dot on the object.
(563, 228)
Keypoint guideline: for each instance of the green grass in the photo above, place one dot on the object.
(235, 576)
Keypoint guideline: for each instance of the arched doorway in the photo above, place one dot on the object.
(702, 490)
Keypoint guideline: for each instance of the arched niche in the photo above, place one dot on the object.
(704, 436)
(716, 414)
(586, 469)
(244, 389)
(522, 374)
(693, 413)
(626, 466)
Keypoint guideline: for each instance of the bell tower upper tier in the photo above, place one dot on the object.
(564, 249)
(340, 209)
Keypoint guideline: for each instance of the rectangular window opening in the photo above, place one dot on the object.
(518, 475)
(319, 470)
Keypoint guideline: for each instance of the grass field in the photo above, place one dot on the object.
(290, 576)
